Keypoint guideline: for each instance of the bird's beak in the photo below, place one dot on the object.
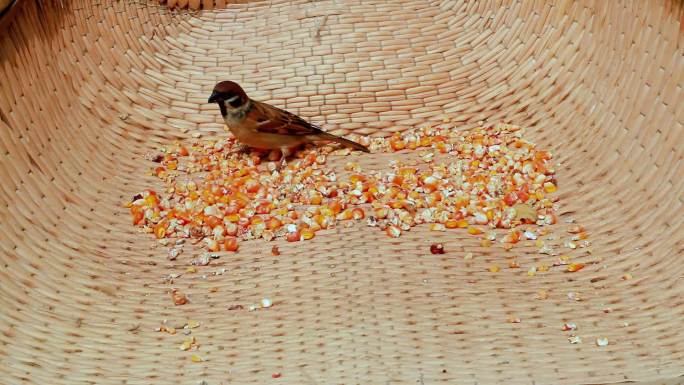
(214, 97)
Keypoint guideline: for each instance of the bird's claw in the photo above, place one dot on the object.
(282, 164)
(240, 149)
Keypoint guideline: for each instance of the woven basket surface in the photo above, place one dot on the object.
(88, 88)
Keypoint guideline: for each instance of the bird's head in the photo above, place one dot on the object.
(229, 96)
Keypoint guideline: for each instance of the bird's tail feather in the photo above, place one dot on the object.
(344, 142)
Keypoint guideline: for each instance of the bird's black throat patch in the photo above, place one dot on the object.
(224, 110)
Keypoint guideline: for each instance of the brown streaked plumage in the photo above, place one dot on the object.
(263, 126)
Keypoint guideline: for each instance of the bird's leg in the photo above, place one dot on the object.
(285, 151)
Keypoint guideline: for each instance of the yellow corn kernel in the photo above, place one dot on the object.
(474, 231)
(307, 234)
(456, 224)
(549, 187)
(437, 227)
(232, 218)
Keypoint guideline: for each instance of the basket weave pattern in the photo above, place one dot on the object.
(88, 88)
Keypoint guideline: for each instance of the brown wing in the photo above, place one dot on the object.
(273, 120)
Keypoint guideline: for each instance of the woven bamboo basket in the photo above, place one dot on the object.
(88, 88)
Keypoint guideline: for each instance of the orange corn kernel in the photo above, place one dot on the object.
(212, 221)
(398, 180)
(392, 192)
(252, 186)
(381, 213)
(256, 220)
(393, 231)
(456, 224)
(358, 213)
(151, 200)
(523, 195)
(415, 195)
(433, 199)
(230, 244)
(138, 214)
(160, 229)
(273, 223)
(511, 198)
(231, 229)
(336, 207)
(512, 237)
(178, 298)
(293, 236)
(540, 167)
(430, 183)
(397, 144)
(316, 199)
(212, 245)
(345, 215)
(573, 267)
(264, 208)
(441, 147)
(355, 178)
(542, 155)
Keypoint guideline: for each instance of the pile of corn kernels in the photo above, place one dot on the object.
(479, 179)
(487, 182)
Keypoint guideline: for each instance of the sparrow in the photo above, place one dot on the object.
(263, 126)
